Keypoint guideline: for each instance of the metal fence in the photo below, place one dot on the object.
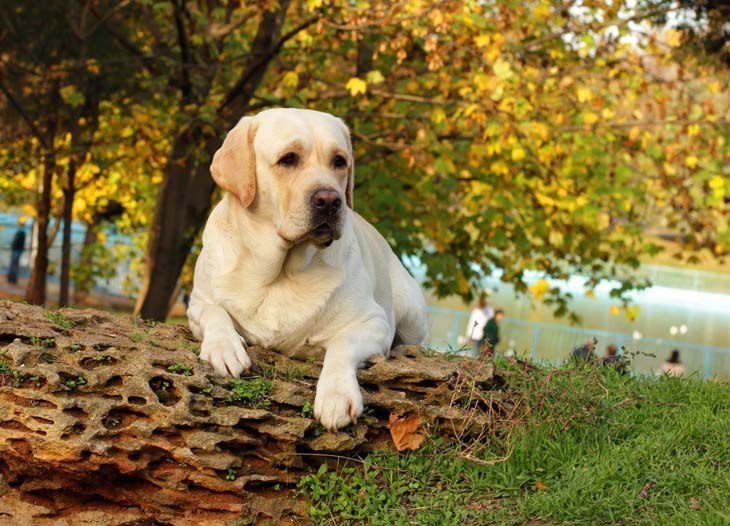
(552, 343)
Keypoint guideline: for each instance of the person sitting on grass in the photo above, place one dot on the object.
(491, 332)
(613, 359)
(584, 352)
(673, 366)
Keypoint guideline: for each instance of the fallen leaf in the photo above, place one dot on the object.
(540, 486)
(403, 431)
(694, 504)
(644, 493)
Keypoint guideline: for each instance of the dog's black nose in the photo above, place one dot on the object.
(326, 200)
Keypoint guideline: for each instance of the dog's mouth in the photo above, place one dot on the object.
(323, 235)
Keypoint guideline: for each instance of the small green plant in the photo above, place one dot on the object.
(206, 390)
(296, 372)
(47, 357)
(114, 422)
(74, 347)
(139, 334)
(268, 370)
(59, 319)
(190, 346)
(38, 342)
(307, 410)
(181, 368)
(231, 474)
(18, 376)
(72, 383)
(104, 358)
(253, 392)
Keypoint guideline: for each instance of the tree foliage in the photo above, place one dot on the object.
(506, 136)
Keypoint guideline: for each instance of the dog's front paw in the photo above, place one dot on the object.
(226, 352)
(338, 401)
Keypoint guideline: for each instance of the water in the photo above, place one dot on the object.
(704, 342)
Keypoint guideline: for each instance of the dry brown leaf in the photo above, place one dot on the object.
(403, 432)
(694, 504)
(644, 493)
(540, 486)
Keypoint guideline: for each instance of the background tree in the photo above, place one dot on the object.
(52, 79)
(508, 137)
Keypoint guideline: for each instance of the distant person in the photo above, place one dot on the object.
(477, 320)
(613, 359)
(611, 356)
(491, 332)
(673, 366)
(16, 250)
(584, 352)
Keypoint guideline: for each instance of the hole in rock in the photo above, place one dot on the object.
(165, 389)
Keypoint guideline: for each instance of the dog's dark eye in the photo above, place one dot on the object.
(339, 161)
(289, 160)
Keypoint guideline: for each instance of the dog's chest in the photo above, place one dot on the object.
(285, 314)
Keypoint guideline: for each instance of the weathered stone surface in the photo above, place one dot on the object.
(105, 420)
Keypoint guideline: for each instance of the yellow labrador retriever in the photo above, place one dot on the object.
(286, 261)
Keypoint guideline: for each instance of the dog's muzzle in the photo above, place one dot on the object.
(326, 204)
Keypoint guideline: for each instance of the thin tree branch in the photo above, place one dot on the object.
(264, 59)
(23, 114)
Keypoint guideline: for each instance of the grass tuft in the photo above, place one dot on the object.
(253, 392)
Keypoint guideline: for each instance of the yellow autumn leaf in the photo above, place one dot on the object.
(290, 79)
(716, 182)
(541, 11)
(438, 115)
(499, 168)
(539, 288)
(693, 129)
(584, 94)
(517, 154)
(374, 77)
(356, 86)
(691, 161)
(590, 118)
(669, 169)
(590, 293)
(482, 40)
(502, 69)
(634, 133)
(632, 312)
(615, 310)
(673, 38)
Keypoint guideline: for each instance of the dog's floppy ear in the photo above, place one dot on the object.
(234, 164)
(350, 187)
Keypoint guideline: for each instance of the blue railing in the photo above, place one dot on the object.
(552, 343)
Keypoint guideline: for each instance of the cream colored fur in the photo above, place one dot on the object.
(264, 278)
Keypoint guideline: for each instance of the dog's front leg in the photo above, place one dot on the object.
(222, 346)
(338, 401)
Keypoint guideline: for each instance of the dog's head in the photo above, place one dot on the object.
(291, 167)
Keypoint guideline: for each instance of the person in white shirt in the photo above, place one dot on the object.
(477, 320)
(673, 366)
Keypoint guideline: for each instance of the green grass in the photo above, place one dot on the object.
(585, 444)
(181, 368)
(59, 319)
(252, 392)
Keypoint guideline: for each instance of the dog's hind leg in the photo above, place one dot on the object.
(411, 315)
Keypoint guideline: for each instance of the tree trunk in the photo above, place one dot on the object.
(36, 290)
(185, 196)
(69, 192)
(108, 422)
(82, 287)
